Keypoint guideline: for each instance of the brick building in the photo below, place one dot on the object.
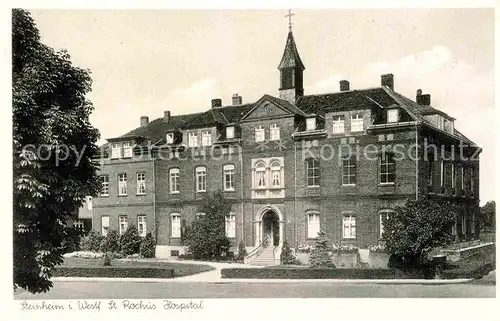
(291, 165)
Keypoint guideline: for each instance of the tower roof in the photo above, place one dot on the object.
(291, 58)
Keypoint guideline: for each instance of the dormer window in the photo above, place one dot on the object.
(392, 115)
(170, 138)
(311, 123)
(127, 150)
(357, 123)
(116, 150)
(193, 139)
(230, 132)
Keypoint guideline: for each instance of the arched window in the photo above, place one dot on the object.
(175, 226)
(260, 175)
(384, 216)
(231, 225)
(313, 224)
(275, 174)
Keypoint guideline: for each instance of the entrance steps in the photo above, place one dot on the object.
(265, 258)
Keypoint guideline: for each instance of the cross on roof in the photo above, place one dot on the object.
(289, 16)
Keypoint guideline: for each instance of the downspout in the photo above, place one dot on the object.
(295, 195)
(240, 151)
(154, 198)
(416, 160)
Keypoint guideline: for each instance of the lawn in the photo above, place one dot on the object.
(180, 269)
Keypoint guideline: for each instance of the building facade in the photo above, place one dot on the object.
(291, 165)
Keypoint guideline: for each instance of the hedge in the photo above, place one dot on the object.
(316, 273)
(113, 272)
(468, 272)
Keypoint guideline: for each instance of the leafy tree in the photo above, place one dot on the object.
(206, 238)
(488, 213)
(321, 255)
(91, 241)
(111, 242)
(130, 241)
(53, 147)
(242, 251)
(287, 257)
(148, 246)
(418, 227)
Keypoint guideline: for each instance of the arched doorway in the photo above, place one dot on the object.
(271, 227)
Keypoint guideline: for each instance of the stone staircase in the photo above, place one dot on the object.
(265, 258)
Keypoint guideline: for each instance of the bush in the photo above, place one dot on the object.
(130, 241)
(148, 246)
(71, 242)
(91, 242)
(321, 254)
(287, 257)
(114, 272)
(107, 259)
(111, 242)
(242, 252)
(315, 273)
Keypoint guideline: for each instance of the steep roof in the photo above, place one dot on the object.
(291, 58)
(219, 115)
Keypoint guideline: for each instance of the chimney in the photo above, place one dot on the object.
(237, 100)
(144, 121)
(425, 100)
(344, 85)
(418, 98)
(216, 102)
(166, 116)
(388, 81)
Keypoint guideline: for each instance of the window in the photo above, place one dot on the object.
(170, 138)
(381, 137)
(141, 225)
(464, 224)
(104, 185)
(89, 203)
(442, 173)
(462, 178)
(127, 150)
(390, 136)
(392, 115)
(260, 135)
(349, 226)
(313, 172)
(472, 179)
(229, 177)
(275, 132)
(454, 228)
(260, 175)
(431, 169)
(312, 225)
(104, 225)
(231, 225)
(200, 215)
(473, 224)
(174, 180)
(384, 216)
(349, 170)
(201, 179)
(275, 174)
(338, 124)
(440, 122)
(141, 183)
(357, 123)
(206, 138)
(78, 224)
(310, 123)
(116, 150)
(229, 132)
(122, 184)
(193, 139)
(175, 226)
(387, 169)
(453, 176)
(122, 224)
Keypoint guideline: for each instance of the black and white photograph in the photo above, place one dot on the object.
(163, 158)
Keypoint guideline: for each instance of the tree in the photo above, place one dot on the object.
(206, 238)
(417, 227)
(111, 242)
(488, 213)
(321, 255)
(148, 246)
(287, 257)
(53, 147)
(130, 241)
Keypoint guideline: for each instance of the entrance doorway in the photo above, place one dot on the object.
(271, 228)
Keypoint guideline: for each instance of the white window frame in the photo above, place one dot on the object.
(385, 162)
(357, 123)
(230, 132)
(462, 178)
(122, 184)
(127, 150)
(313, 224)
(274, 132)
(348, 226)
(390, 137)
(89, 203)
(315, 169)
(442, 173)
(141, 225)
(260, 175)
(228, 177)
(338, 124)
(170, 138)
(464, 224)
(310, 123)
(454, 227)
(175, 225)
(193, 139)
(206, 138)
(200, 215)
(104, 185)
(350, 163)
(122, 224)
(260, 133)
(201, 179)
(453, 176)
(141, 183)
(230, 225)
(174, 177)
(382, 214)
(275, 174)
(392, 115)
(116, 150)
(104, 225)
(472, 185)
(78, 224)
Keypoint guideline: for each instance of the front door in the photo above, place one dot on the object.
(270, 228)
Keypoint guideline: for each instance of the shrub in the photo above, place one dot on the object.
(148, 246)
(304, 248)
(114, 272)
(107, 259)
(111, 242)
(85, 255)
(287, 257)
(130, 241)
(71, 242)
(91, 241)
(377, 248)
(348, 249)
(242, 252)
(321, 254)
(315, 273)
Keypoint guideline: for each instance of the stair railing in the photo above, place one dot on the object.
(256, 251)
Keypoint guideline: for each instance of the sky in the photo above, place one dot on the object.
(144, 62)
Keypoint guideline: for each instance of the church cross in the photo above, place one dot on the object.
(289, 16)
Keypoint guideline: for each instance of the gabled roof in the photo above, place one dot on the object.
(281, 103)
(218, 115)
(291, 58)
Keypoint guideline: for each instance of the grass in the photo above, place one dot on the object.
(180, 269)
